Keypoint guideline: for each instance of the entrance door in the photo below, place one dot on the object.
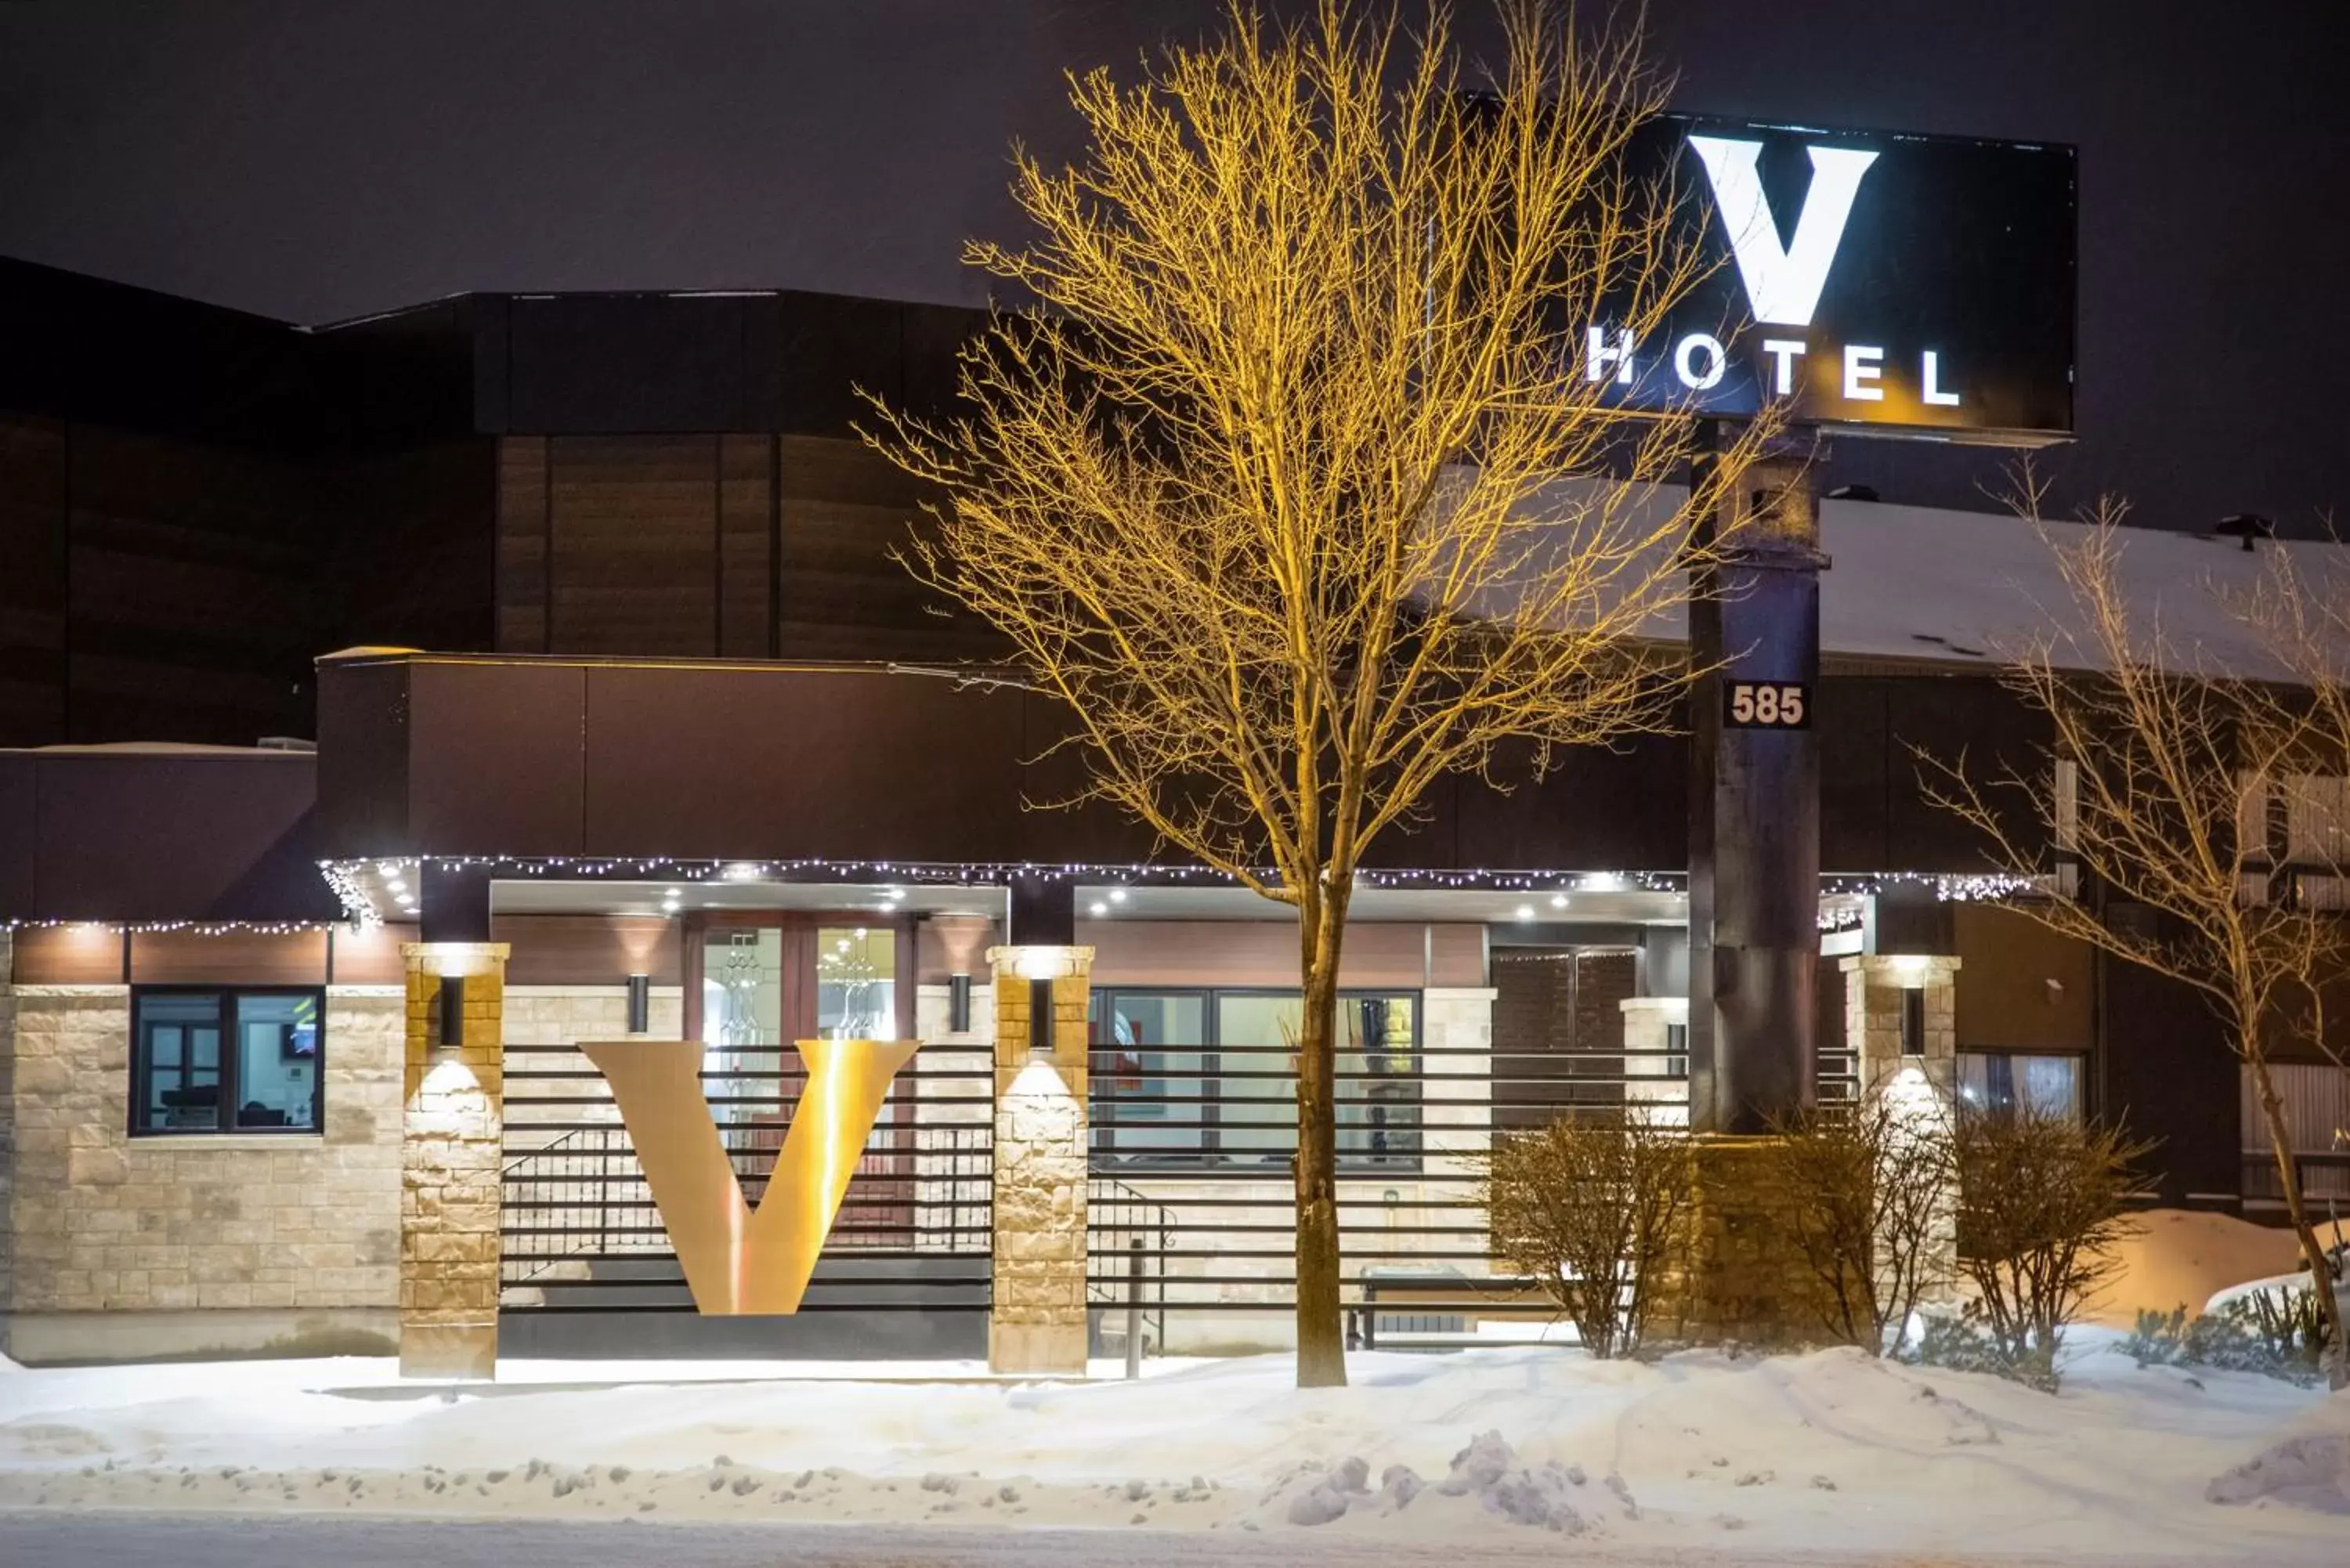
(765, 980)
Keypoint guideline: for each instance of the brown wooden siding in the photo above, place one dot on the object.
(747, 523)
(588, 949)
(228, 957)
(1264, 953)
(2005, 1000)
(635, 540)
(69, 955)
(521, 552)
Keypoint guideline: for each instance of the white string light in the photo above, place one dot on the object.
(196, 928)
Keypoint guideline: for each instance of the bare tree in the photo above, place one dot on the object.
(1594, 1209)
(2299, 607)
(1265, 488)
(1870, 1189)
(2155, 780)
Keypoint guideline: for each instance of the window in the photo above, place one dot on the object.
(2005, 1081)
(204, 1061)
(1211, 1077)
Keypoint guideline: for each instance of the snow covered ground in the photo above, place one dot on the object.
(1827, 1451)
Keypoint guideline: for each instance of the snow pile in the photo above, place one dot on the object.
(2307, 1472)
(1488, 1475)
(2183, 1258)
(1826, 1453)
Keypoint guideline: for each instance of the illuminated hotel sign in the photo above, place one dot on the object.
(1886, 284)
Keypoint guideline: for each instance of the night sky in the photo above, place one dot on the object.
(314, 162)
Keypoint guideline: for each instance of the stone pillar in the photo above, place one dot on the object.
(1036, 1322)
(452, 1128)
(1742, 1278)
(1877, 990)
(1920, 1087)
(1652, 1092)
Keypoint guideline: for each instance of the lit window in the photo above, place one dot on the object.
(2006, 1081)
(210, 1061)
(1209, 1077)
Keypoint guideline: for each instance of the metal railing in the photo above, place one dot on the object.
(1127, 1237)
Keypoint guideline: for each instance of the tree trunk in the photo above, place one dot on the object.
(1320, 1336)
(2312, 1253)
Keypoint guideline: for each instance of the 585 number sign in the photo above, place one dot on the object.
(1766, 705)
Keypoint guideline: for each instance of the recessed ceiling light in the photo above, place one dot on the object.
(672, 892)
(1525, 911)
(1558, 901)
(1118, 895)
(1096, 908)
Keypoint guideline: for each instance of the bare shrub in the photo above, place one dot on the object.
(1594, 1210)
(2040, 1208)
(1872, 1189)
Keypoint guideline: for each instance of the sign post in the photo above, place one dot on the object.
(1871, 284)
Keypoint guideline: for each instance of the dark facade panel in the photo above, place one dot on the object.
(163, 835)
(33, 556)
(195, 573)
(495, 764)
(364, 744)
(616, 363)
(768, 765)
(414, 538)
(82, 349)
(20, 835)
(1856, 772)
(2170, 1076)
(1949, 719)
(1598, 809)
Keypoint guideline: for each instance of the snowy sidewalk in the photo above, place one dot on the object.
(1699, 1452)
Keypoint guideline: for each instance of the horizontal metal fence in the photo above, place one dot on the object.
(1179, 1228)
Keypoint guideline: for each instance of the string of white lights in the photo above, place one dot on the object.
(196, 928)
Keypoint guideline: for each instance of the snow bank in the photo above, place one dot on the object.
(2308, 1472)
(2182, 1258)
(1821, 1452)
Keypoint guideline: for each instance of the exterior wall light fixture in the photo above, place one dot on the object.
(449, 1021)
(959, 1003)
(640, 1003)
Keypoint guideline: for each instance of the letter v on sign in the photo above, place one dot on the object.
(738, 1260)
(1783, 282)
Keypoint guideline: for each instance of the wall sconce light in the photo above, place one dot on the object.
(1040, 1019)
(449, 1022)
(959, 1003)
(1913, 1020)
(640, 1003)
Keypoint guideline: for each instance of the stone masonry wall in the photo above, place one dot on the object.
(451, 1160)
(1741, 1278)
(104, 1222)
(1036, 1322)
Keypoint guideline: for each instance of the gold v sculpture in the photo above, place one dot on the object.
(738, 1260)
